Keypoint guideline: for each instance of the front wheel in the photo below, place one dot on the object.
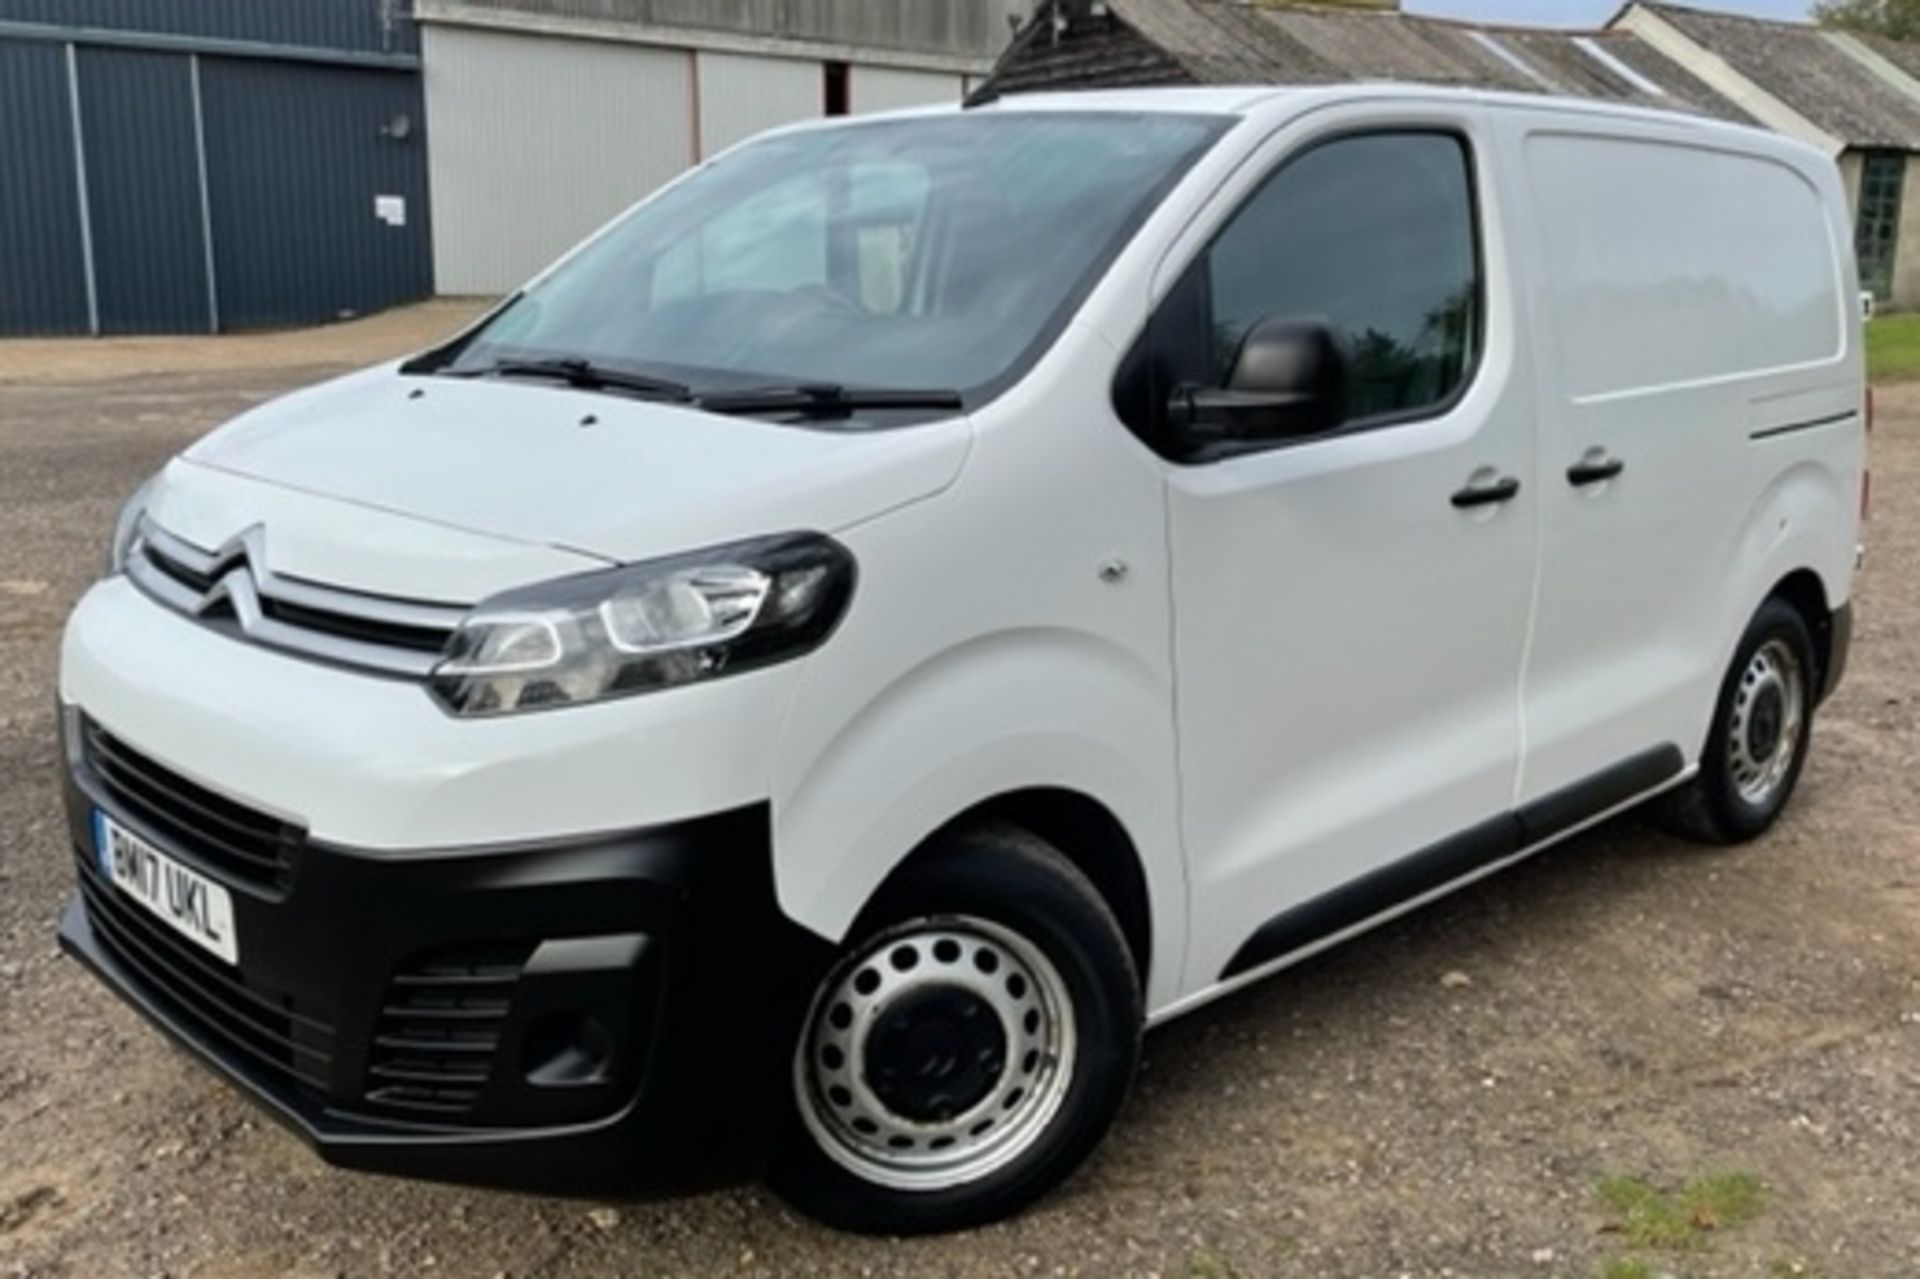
(969, 1048)
(1758, 742)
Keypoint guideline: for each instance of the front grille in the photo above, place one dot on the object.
(233, 591)
(236, 842)
(294, 1049)
(185, 574)
(439, 1030)
(364, 630)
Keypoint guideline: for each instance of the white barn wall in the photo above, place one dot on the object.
(741, 95)
(536, 141)
(890, 88)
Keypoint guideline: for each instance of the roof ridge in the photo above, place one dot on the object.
(1338, 9)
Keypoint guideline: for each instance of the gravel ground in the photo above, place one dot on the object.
(1442, 1098)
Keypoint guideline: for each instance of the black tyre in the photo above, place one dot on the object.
(1758, 742)
(968, 1049)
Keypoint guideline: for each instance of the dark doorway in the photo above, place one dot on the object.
(836, 88)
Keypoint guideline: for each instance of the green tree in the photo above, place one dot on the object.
(1899, 19)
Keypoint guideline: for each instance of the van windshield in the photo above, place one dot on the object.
(936, 252)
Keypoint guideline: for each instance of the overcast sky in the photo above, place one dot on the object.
(1586, 13)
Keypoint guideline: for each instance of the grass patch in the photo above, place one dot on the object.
(1652, 1218)
(1893, 347)
(1210, 1265)
(1626, 1268)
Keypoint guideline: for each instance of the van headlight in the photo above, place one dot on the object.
(637, 628)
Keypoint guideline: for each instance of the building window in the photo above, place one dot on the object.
(1882, 174)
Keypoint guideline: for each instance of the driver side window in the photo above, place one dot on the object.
(1375, 234)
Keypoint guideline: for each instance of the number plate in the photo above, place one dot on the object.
(185, 900)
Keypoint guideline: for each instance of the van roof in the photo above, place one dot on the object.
(1248, 100)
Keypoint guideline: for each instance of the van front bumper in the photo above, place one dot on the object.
(592, 1016)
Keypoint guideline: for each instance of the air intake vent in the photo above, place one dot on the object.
(260, 1025)
(235, 842)
(439, 1031)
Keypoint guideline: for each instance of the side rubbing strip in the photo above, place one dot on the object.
(1376, 891)
(1454, 858)
(1567, 807)
(1832, 419)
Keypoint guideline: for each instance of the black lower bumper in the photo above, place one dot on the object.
(606, 1016)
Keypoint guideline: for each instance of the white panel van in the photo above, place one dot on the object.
(800, 685)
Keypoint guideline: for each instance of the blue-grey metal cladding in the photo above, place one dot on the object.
(143, 191)
(126, 206)
(296, 156)
(368, 26)
(43, 286)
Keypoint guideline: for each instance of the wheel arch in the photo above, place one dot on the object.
(1807, 594)
(1066, 734)
(1085, 832)
(1798, 545)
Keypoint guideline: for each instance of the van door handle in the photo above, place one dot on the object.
(1595, 468)
(1503, 489)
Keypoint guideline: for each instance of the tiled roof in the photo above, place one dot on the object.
(1235, 42)
(1810, 70)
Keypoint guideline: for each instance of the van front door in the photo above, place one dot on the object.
(1351, 607)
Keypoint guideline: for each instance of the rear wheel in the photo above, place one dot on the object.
(1758, 742)
(968, 1049)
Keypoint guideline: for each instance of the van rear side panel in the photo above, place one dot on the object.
(1676, 265)
(1695, 289)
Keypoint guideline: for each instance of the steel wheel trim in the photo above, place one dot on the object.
(894, 1071)
(1763, 733)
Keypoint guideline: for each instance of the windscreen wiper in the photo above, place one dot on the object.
(825, 400)
(586, 376)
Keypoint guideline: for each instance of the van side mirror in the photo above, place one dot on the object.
(1289, 380)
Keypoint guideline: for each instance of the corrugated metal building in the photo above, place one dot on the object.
(196, 165)
(199, 165)
(551, 116)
